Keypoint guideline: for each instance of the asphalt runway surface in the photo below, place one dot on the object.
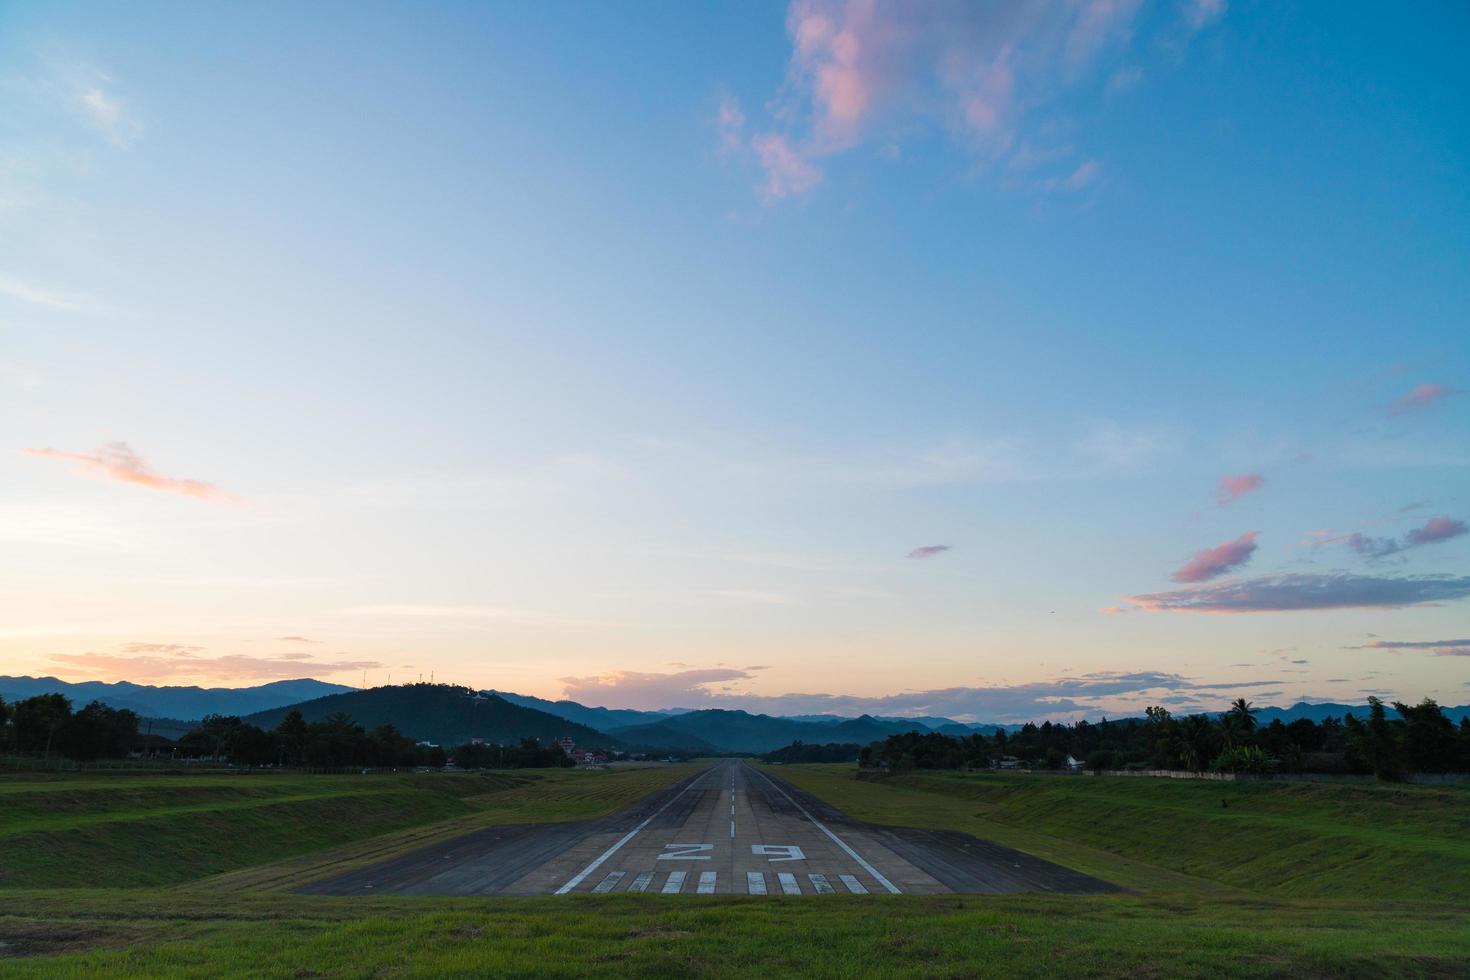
(730, 829)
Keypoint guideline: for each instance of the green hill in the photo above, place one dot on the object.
(741, 731)
(441, 713)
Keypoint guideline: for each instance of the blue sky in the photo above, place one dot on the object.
(630, 352)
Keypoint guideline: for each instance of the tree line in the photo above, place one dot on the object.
(1421, 740)
(46, 725)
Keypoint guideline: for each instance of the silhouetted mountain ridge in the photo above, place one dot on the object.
(173, 702)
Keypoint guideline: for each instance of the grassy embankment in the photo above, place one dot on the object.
(1301, 880)
(132, 830)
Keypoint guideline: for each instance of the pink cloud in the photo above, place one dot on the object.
(156, 664)
(1082, 176)
(730, 124)
(1214, 562)
(117, 461)
(1421, 397)
(1436, 530)
(928, 550)
(1234, 487)
(788, 173)
(864, 69)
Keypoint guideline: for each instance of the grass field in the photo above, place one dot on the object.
(1287, 879)
(111, 830)
(1290, 839)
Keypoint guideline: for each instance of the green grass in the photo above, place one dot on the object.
(167, 935)
(150, 830)
(1314, 880)
(1288, 839)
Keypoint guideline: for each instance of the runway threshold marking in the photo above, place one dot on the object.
(877, 875)
(706, 884)
(820, 883)
(789, 885)
(674, 883)
(640, 883)
(755, 882)
(610, 882)
(581, 876)
(853, 885)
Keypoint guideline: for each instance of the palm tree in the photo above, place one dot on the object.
(1196, 734)
(1245, 714)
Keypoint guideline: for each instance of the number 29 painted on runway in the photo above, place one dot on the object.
(686, 852)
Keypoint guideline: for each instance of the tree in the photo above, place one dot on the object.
(38, 720)
(291, 735)
(1239, 722)
(98, 732)
(1428, 737)
(1377, 742)
(1196, 742)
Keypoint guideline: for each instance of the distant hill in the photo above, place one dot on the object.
(441, 713)
(602, 719)
(740, 731)
(1317, 712)
(662, 736)
(173, 702)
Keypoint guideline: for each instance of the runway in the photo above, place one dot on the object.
(728, 830)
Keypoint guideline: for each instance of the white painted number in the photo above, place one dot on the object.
(778, 852)
(686, 852)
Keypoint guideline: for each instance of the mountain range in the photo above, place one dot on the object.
(448, 715)
(190, 703)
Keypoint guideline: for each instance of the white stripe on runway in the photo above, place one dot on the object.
(877, 876)
(610, 882)
(819, 882)
(640, 883)
(673, 883)
(853, 885)
(788, 883)
(755, 882)
(706, 884)
(581, 876)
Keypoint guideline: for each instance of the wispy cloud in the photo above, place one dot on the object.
(788, 173)
(1232, 488)
(1283, 593)
(1199, 14)
(48, 299)
(863, 72)
(650, 691)
(1421, 397)
(296, 639)
(1441, 648)
(1214, 562)
(928, 550)
(117, 461)
(159, 661)
(1435, 531)
(729, 125)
